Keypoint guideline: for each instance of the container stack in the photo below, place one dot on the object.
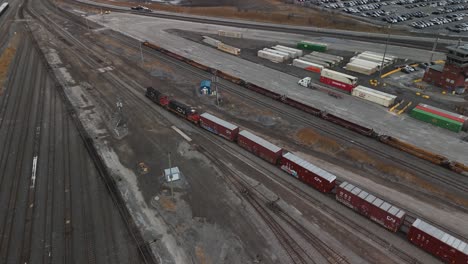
(368, 63)
(314, 46)
(439, 117)
(322, 59)
(295, 53)
(276, 58)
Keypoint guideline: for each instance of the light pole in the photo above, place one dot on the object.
(433, 49)
(383, 58)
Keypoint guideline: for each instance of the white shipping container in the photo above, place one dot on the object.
(373, 95)
(292, 54)
(380, 55)
(327, 56)
(229, 49)
(231, 34)
(305, 64)
(270, 56)
(282, 53)
(211, 41)
(329, 61)
(376, 58)
(338, 76)
(297, 51)
(359, 69)
(324, 64)
(365, 63)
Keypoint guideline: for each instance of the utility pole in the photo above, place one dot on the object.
(433, 49)
(383, 58)
(141, 53)
(170, 175)
(214, 80)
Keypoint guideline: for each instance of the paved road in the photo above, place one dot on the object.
(54, 208)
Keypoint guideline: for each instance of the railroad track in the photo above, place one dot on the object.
(328, 128)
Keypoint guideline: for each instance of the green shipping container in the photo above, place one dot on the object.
(434, 119)
(311, 46)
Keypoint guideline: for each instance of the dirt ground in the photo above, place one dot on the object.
(5, 59)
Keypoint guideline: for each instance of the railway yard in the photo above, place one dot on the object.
(98, 101)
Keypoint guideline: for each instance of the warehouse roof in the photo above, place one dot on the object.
(441, 236)
(260, 141)
(310, 167)
(219, 121)
(391, 209)
(437, 67)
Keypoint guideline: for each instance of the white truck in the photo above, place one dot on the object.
(307, 82)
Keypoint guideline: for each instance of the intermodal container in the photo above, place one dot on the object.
(219, 126)
(308, 173)
(309, 66)
(229, 49)
(360, 69)
(437, 120)
(319, 62)
(439, 243)
(292, 54)
(444, 113)
(339, 80)
(365, 63)
(329, 61)
(307, 45)
(335, 58)
(259, 146)
(296, 51)
(285, 55)
(374, 96)
(270, 56)
(376, 209)
(211, 41)
(230, 34)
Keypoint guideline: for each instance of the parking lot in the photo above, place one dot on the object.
(446, 17)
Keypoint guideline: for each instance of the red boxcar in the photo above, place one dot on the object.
(442, 245)
(259, 146)
(387, 215)
(310, 174)
(218, 126)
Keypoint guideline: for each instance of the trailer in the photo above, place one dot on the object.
(339, 80)
(229, 49)
(296, 51)
(218, 126)
(360, 69)
(270, 56)
(308, 173)
(307, 65)
(211, 41)
(259, 146)
(230, 34)
(331, 62)
(315, 46)
(292, 54)
(365, 63)
(285, 55)
(319, 62)
(374, 96)
(335, 58)
(437, 242)
(370, 206)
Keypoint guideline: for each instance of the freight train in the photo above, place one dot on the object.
(430, 238)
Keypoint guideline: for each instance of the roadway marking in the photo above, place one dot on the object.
(33, 176)
(181, 133)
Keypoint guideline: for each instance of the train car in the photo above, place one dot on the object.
(259, 146)
(374, 208)
(437, 242)
(3, 7)
(339, 80)
(157, 96)
(219, 126)
(184, 110)
(308, 173)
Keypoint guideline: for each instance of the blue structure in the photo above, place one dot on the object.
(205, 87)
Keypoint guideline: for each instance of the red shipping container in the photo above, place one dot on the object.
(218, 126)
(308, 173)
(437, 242)
(337, 84)
(259, 146)
(379, 211)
